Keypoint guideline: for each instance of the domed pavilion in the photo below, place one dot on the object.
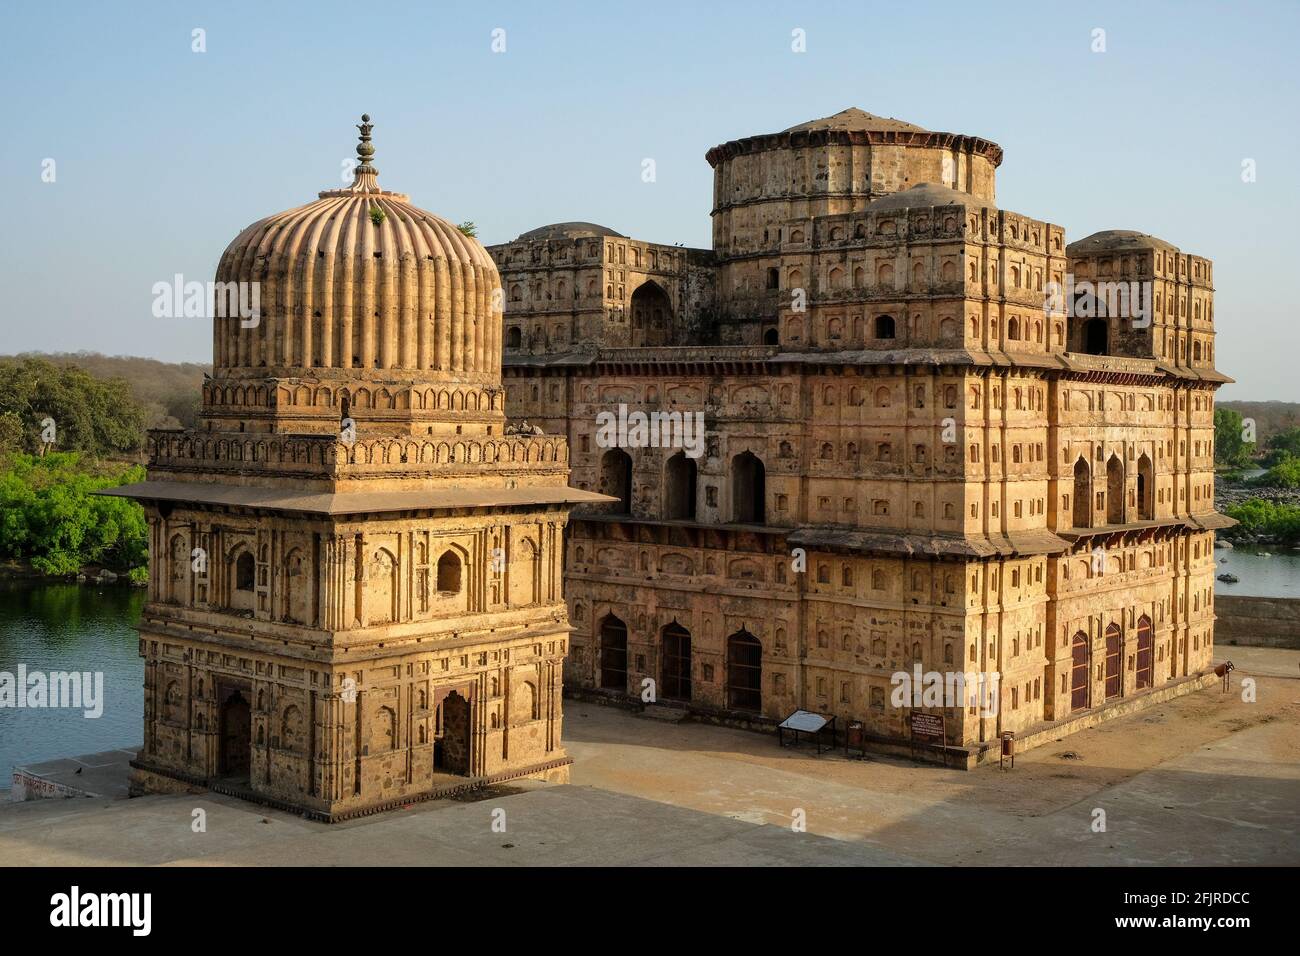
(355, 593)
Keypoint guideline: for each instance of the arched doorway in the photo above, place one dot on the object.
(679, 487)
(1114, 652)
(451, 747)
(1114, 491)
(676, 663)
(613, 654)
(616, 479)
(1145, 676)
(1145, 490)
(744, 672)
(1082, 495)
(748, 494)
(236, 733)
(1079, 672)
(652, 315)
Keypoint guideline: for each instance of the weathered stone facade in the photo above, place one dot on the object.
(976, 480)
(355, 593)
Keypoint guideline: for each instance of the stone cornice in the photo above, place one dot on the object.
(802, 139)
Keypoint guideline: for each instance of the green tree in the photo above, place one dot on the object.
(1285, 474)
(51, 518)
(1230, 449)
(89, 415)
(468, 228)
(1282, 446)
(1265, 517)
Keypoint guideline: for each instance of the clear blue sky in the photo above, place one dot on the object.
(163, 154)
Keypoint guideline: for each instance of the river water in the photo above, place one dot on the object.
(67, 627)
(1277, 575)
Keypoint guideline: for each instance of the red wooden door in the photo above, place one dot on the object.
(1079, 673)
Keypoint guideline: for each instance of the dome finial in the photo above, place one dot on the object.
(364, 179)
(366, 149)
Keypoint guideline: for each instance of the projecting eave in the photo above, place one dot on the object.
(332, 504)
(1211, 521)
(911, 544)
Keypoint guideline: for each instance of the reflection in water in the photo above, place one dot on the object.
(67, 627)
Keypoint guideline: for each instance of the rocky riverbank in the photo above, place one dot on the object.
(17, 571)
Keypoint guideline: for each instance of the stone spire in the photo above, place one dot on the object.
(366, 178)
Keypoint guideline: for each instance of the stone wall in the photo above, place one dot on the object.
(1258, 621)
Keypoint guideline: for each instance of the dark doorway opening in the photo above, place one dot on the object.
(236, 735)
(1115, 512)
(652, 315)
(616, 479)
(679, 487)
(1096, 337)
(613, 654)
(748, 494)
(451, 740)
(676, 662)
(744, 672)
(1082, 495)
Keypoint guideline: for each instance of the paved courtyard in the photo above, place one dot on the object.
(1205, 779)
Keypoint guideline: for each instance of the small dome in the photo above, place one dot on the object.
(1117, 240)
(927, 194)
(568, 230)
(362, 279)
(856, 119)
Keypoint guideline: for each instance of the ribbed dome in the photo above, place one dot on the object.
(362, 279)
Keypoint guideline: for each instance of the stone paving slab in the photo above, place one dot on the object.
(101, 774)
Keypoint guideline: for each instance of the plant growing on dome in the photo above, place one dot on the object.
(468, 228)
(377, 215)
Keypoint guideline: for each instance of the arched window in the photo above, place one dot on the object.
(449, 573)
(514, 337)
(744, 672)
(771, 337)
(679, 487)
(616, 479)
(748, 494)
(613, 654)
(884, 327)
